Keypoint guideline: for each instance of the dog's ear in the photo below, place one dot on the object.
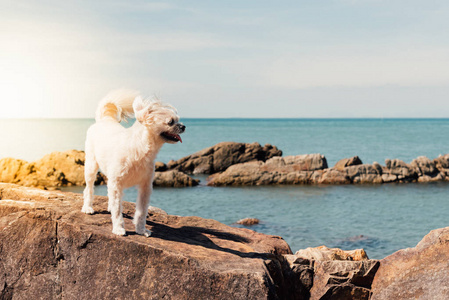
(140, 109)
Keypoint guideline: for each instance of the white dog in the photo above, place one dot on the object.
(126, 156)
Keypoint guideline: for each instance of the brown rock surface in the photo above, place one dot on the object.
(416, 273)
(67, 168)
(248, 221)
(324, 253)
(277, 170)
(343, 280)
(442, 164)
(426, 170)
(50, 250)
(219, 157)
(323, 273)
(173, 178)
(52, 170)
(346, 162)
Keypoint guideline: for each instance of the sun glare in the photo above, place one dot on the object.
(21, 86)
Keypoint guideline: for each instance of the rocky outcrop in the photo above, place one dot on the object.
(416, 273)
(248, 221)
(223, 155)
(53, 170)
(347, 162)
(277, 170)
(332, 273)
(173, 178)
(323, 253)
(67, 168)
(312, 169)
(50, 250)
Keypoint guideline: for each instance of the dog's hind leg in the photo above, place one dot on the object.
(90, 174)
(115, 202)
(142, 204)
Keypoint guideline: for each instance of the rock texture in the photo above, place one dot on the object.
(50, 250)
(324, 253)
(173, 178)
(277, 170)
(223, 155)
(55, 169)
(248, 221)
(333, 273)
(312, 169)
(67, 168)
(416, 273)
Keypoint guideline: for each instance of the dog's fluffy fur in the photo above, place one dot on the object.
(126, 156)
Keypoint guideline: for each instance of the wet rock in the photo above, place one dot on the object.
(51, 250)
(173, 178)
(416, 273)
(223, 155)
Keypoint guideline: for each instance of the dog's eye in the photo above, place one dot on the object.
(171, 122)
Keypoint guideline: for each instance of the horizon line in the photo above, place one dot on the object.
(253, 118)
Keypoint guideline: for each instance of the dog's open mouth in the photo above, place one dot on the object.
(171, 137)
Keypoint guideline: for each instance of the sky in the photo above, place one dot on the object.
(228, 59)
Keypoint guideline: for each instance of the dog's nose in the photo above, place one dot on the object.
(182, 127)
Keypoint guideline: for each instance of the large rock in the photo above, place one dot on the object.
(312, 169)
(324, 273)
(173, 178)
(50, 250)
(396, 170)
(277, 170)
(442, 164)
(67, 168)
(324, 253)
(416, 273)
(53, 170)
(347, 162)
(343, 280)
(426, 170)
(223, 155)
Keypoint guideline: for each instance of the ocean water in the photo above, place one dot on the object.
(379, 218)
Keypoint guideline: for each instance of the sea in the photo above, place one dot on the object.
(378, 218)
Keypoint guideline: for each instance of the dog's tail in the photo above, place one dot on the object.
(117, 105)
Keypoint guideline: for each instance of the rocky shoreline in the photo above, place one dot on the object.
(50, 250)
(233, 164)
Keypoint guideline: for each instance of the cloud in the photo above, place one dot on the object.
(400, 66)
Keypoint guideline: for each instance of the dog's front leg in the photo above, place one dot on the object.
(142, 204)
(115, 201)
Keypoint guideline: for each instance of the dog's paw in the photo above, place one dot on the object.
(145, 232)
(119, 231)
(87, 210)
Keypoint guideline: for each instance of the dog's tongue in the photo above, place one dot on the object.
(179, 138)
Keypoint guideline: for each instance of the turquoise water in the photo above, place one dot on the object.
(379, 218)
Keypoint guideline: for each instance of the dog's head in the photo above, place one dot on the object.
(162, 119)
